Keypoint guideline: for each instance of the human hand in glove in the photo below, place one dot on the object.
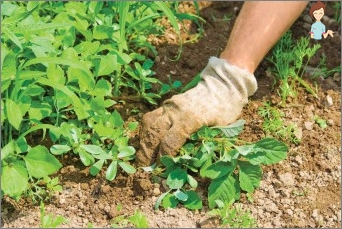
(217, 100)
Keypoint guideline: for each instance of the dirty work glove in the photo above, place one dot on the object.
(216, 100)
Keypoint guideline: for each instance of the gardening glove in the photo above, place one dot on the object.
(217, 100)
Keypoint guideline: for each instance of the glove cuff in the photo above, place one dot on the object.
(230, 75)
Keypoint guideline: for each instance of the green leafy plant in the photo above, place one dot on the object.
(321, 122)
(231, 165)
(275, 126)
(49, 220)
(137, 220)
(62, 73)
(233, 216)
(289, 59)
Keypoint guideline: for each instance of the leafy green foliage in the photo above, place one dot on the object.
(64, 66)
(217, 154)
(289, 59)
(275, 126)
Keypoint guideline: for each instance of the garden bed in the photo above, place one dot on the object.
(301, 191)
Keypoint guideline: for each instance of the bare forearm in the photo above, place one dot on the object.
(257, 28)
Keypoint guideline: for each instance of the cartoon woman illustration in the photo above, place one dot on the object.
(318, 28)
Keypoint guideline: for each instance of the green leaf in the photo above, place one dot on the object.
(7, 150)
(102, 88)
(97, 105)
(169, 201)
(59, 60)
(34, 90)
(121, 142)
(148, 64)
(14, 179)
(55, 73)
(111, 170)
(101, 32)
(249, 176)
(40, 163)
(139, 220)
(194, 201)
(245, 149)
(233, 129)
(132, 126)
(193, 183)
(95, 7)
(39, 110)
(92, 149)
(12, 37)
(126, 152)
(116, 119)
(87, 48)
(86, 158)
(107, 65)
(225, 189)
(159, 200)
(79, 106)
(167, 161)
(96, 167)
(59, 149)
(176, 179)
(219, 169)
(13, 113)
(180, 195)
(268, 151)
(127, 167)
(86, 82)
(24, 104)
(17, 17)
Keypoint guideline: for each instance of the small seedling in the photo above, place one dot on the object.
(137, 220)
(49, 220)
(322, 123)
(274, 125)
(233, 216)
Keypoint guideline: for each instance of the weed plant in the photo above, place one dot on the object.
(62, 63)
(232, 166)
(289, 59)
(275, 126)
(233, 216)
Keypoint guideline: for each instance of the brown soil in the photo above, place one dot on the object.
(302, 191)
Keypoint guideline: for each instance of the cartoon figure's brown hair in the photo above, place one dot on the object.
(316, 6)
